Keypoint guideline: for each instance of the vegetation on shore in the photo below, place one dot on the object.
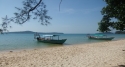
(113, 16)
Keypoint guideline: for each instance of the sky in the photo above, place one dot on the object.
(75, 16)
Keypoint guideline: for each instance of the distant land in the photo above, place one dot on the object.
(31, 32)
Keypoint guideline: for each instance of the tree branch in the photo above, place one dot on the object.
(60, 4)
(31, 10)
(35, 6)
(31, 7)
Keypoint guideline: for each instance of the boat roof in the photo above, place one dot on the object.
(49, 35)
(99, 35)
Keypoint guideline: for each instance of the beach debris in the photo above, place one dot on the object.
(7, 63)
(11, 51)
(121, 65)
(123, 50)
(31, 64)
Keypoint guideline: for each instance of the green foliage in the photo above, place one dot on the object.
(115, 9)
(32, 9)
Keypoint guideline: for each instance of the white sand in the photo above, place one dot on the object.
(105, 54)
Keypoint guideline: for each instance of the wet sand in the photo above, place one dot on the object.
(104, 54)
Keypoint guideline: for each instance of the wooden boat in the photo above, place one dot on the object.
(49, 39)
(100, 37)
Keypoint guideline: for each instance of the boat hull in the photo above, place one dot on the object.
(98, 38)
(52, 41)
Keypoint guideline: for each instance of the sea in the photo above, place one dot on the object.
(26, 41)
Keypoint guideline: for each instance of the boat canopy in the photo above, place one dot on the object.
(99, 35)
(49, 35)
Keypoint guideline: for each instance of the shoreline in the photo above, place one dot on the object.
(102, 54)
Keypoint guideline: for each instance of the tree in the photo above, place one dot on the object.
(34, 9)
(115, 9)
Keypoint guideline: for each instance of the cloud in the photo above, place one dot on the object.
(68, 11)
(90, 10)
(83, 11)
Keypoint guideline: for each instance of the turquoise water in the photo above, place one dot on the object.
(27, 41)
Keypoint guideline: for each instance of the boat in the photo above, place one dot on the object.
(100, 37)
(49, 39)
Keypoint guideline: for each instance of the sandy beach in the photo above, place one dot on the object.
(104, 54)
